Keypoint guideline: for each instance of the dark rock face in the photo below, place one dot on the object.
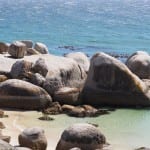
(17, 49)
(23, 95)
(110, 82)
(33, 138)
(83, 136)
(139, 64)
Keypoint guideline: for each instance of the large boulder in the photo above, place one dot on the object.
(110, 82)
(81, 59)
(22, 95)
(33, 138)
(17, 49)
(62, 72)
(20, 69)
(139, 64)
(83, 136)
(41, 48)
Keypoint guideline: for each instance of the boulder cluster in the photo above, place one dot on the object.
(33, 79)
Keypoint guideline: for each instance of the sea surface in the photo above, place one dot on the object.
(114, 26)
(118, 26)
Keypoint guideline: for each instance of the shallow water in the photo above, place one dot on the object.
(125, 129)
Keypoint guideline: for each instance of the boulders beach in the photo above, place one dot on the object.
(33, 79)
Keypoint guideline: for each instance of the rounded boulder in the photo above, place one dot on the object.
(83, 136)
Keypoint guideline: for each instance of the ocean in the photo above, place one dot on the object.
(117, 26)
(113, 26)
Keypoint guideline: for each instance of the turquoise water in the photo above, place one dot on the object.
(121, 26)
(125, 129)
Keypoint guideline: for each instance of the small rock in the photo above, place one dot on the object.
(46, 118)
(4, 47)
(32, 51)
(41, 48)
(40, 67)
(67, 108)
(1, 113)
(53, 109)
(67, 95)
(2, 126)
(142, 148)
(3, 78)
(17, 49)
(33, 138)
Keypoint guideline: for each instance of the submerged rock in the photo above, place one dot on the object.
(23, 95)
(110, 82)
(139, 63)
(83, 136)
(33, 138)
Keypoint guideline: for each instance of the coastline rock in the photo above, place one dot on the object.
(67, 95)
(3, 78)
(1, 113)
(17, 49)
(41, 48)
(81, 59)
(83, 136)
(28, 43)
(53, 109)
(20, 69)
(33, 138)
(23, 95)
(5, 146)
(40, 67)
(67, 108)
(62, 71)
(110, 82)
(139, 64)
(32, 51)
(4, 47)
(37, 79)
